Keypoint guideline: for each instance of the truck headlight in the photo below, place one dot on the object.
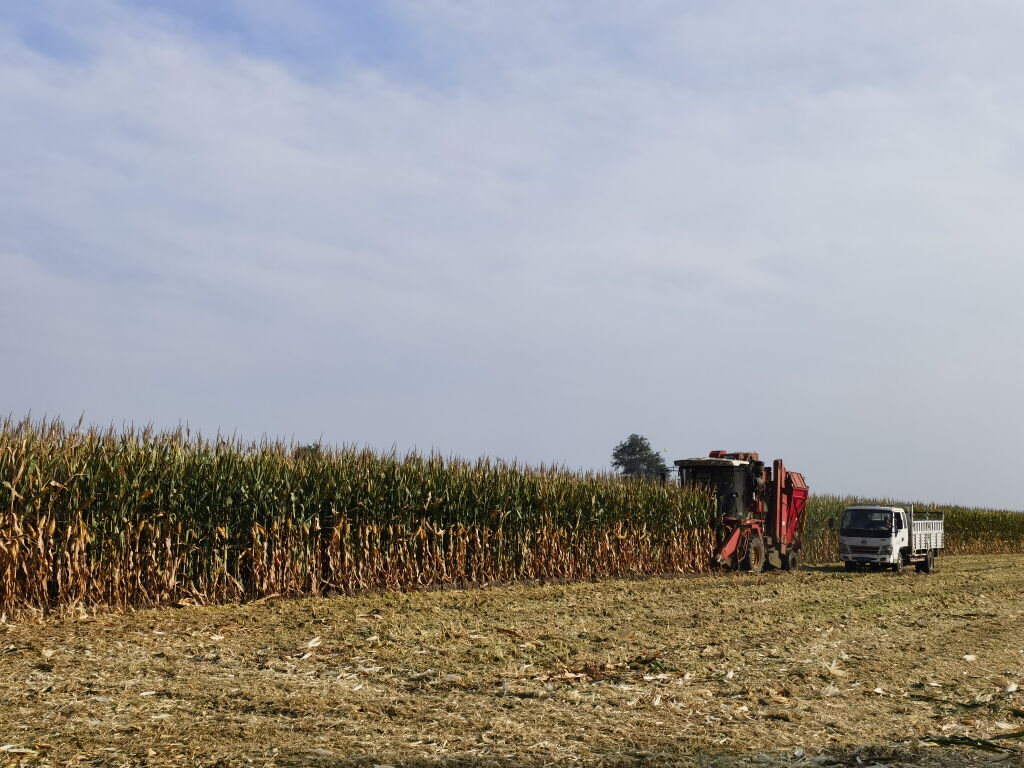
(843, 549)
(886, 550)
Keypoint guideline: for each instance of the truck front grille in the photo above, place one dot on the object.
(863, 550)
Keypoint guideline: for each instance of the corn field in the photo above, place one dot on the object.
(137, 517)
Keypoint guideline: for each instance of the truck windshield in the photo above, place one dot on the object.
(866, 522)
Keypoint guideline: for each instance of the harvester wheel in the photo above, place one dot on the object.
(791, 561)
(754, 561)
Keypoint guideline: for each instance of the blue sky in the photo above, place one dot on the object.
(527, 229)
(314, 40)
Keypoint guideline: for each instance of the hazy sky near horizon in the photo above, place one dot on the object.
(527, 229)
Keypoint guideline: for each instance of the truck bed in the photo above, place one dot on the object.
(927, 534)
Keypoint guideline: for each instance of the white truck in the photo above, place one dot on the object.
(889, 537)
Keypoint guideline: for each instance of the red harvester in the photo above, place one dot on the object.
(760, 510)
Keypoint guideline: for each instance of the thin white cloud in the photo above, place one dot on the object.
(728, 225)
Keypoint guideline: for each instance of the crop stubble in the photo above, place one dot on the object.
(817, 668)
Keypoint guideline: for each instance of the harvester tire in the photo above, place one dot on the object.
(791, 561)
(754, 561)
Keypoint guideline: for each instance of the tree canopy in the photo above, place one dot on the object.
(634, 457)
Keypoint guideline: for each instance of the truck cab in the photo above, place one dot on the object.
(888, 537)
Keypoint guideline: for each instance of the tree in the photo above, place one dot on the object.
(634, 457)
(309, 452)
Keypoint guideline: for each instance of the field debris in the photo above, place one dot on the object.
(818, 668)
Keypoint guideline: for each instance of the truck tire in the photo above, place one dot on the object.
(754, 561)
(850, 566)
(928, 566)
(902, 560)
(791, 561)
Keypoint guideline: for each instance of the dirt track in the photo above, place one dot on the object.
(816, 668)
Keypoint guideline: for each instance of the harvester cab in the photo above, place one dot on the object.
(737, 483)
(759, 510)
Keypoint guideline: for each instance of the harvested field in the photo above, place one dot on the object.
(819, 667)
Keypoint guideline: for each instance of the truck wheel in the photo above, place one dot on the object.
(754, 561)
(790, 561)
(850, 566)
(928, 566)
